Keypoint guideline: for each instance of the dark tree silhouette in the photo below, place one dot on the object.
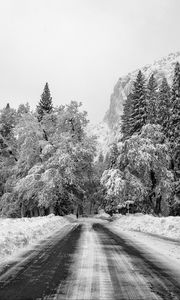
(45, 103)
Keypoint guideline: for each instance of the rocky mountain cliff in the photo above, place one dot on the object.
(164, 66)
(108, 130)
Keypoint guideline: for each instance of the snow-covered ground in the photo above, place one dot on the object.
(158, 235)
(164, 226)
(18, 234)
(102, 215)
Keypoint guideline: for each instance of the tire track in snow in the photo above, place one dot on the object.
(89, 262)
(135, 274)
(90, 279)
(40, 274)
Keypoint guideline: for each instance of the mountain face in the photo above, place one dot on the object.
(108, 131)
(160, 68)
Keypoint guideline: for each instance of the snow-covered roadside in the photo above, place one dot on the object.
(102, 215)
(158, 235)
(18, 234)
(164, 226)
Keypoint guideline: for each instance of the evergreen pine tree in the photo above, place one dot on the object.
(152, 100)
(138, 113)
(174, 127)
(163, 105)
(113, 155)
(125, 119)
(7, 121)
(8, 106)
(45, 103)
(174, 121)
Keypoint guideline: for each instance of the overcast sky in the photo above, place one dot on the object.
(80, 47)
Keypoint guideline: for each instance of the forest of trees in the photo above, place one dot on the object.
(46, 159)
(144, 165)
(49, 164)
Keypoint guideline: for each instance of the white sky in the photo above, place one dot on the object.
(80, 47)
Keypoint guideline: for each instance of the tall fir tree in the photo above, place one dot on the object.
(138, 114)
(125, 119)
(113, 155)
(152, 100)
(174, 127)
(174, 121)
(45, 103)
(163, 105)
(8, 120)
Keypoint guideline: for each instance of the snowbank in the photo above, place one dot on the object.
(102, 215)
(16, 234)
(165, 226)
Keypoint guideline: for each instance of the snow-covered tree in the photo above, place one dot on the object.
(45, 103)
(23, 109)
(174, 129)
(125, 119)
(151, 98)
(54, 167)
(7, 121)
(163, 105)
(29, 138)
(138, 114)
(174, 121)
(8, 147)
(113, 154)
(143, 173)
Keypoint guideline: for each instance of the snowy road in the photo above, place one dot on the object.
(88, 261)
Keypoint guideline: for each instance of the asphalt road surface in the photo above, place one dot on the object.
(87, 261)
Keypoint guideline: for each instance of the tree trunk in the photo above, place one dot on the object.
(36, 212)
(51, 210)
(23, 210)
(157, 208)
(41, 211)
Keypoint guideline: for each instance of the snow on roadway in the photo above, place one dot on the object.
(101, 267)
(90, 275)
(102, 270)
(17, 234)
